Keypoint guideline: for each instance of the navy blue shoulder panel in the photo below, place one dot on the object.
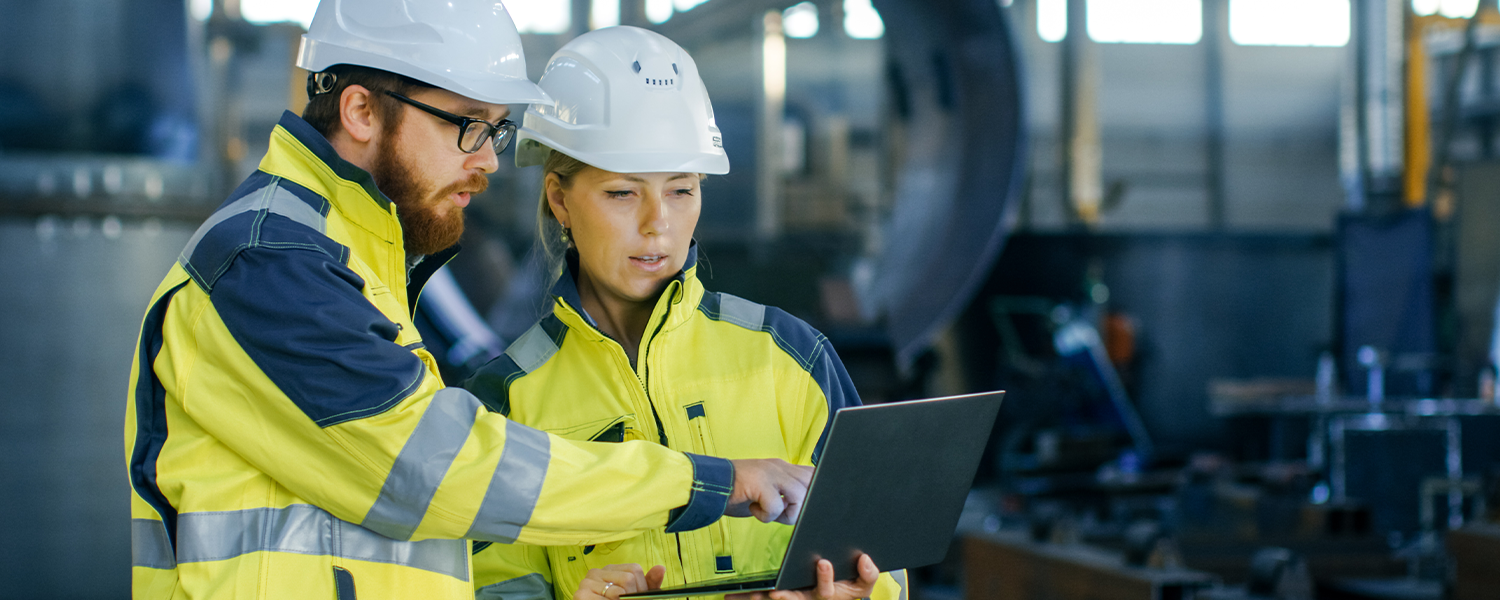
(300, 315)
(491, 383)
(808, 346)
(265, 211)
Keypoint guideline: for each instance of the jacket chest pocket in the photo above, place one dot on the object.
(394, 309)
(611, 429)
(702, 438)
(622, 429)
(718, 533)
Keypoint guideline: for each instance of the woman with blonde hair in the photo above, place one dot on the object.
(635, 343)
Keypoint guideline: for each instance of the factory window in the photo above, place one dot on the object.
(801, 20)
(1127, 21)
(861, 21)
(1052, 19)
(277, 11)
(658, 11)
(1456, 9)
(1146, 21)
(542, 16)
(604, 13)
(200, 9)
(1289, 22)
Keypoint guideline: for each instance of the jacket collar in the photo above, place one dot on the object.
(301, 154)
(320, 148)
(684, 286)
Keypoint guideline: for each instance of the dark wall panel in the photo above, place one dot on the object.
(1206, 307)
(72, 293)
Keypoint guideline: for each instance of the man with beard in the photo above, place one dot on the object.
(287, 435)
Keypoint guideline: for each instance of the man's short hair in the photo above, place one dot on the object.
(322, 111)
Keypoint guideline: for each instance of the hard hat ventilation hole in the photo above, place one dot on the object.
(674, 69)
(636, 65)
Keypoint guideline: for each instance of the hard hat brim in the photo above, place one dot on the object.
(532, 149)
(496, 89)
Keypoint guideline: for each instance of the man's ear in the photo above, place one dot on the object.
(557, 198)
(357, 113)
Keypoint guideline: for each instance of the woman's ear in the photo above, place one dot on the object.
(557, 198)
(357, 113)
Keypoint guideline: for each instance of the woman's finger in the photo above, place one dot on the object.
(610, 582)
(629, 576)
(868, 572)
(826, 588)
(655, 576)
(592, 588)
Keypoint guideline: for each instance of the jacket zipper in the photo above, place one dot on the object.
(661, 428)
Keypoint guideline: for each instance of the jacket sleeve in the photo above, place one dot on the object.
(816, 389)
(312, 384)
(512, 572)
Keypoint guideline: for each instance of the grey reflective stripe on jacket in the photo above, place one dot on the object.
(532, 349)
(510, 498)
(422, 464)
(742, 312)
(515, 487)
(149, 546)
(529, 587)
(272, 198)
(296, 529)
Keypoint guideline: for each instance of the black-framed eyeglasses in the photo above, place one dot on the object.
(472, 132)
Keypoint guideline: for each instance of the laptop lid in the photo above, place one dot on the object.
(891, 483)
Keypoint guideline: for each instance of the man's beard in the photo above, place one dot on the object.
(424, 231)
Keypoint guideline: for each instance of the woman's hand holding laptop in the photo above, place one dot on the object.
(611, 581)
(827, 588)
(608, 583)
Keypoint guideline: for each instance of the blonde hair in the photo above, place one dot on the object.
(549, 231)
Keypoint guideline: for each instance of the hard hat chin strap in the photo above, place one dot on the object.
(320, 83)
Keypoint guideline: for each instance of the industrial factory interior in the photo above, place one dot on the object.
(1235, 263)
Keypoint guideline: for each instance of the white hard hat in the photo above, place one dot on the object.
(628, 100)
(469, 47)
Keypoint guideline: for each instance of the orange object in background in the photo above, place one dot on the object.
(1119, 338)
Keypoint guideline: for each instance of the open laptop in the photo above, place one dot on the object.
(891, 483)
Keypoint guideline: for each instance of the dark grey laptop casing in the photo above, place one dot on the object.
(891, 483)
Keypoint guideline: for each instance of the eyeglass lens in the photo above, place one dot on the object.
(475, 134)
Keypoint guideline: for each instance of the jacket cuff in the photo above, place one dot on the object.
(713, 480)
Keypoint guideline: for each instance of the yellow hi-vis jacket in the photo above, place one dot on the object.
(715, 374)
(288, 436)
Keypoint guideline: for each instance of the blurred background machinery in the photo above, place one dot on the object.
(1234, 260)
